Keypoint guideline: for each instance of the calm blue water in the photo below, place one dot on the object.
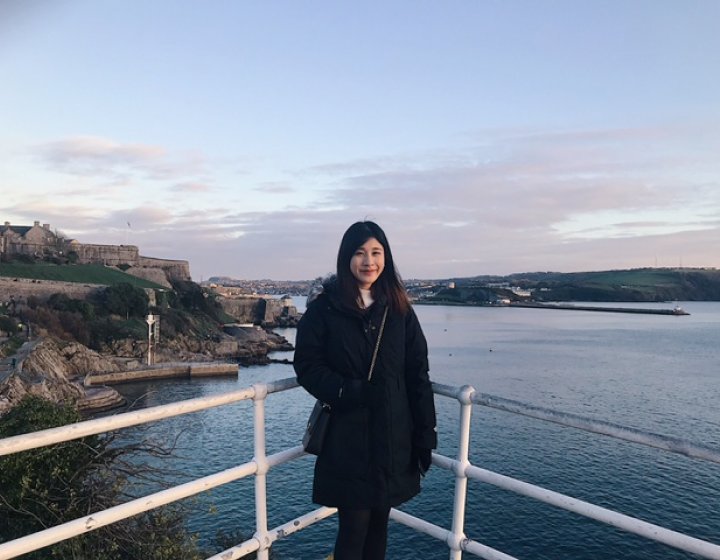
(653, 372)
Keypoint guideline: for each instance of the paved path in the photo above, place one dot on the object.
(6, 364)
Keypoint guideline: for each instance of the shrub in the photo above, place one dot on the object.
(62, 302)
(125, 300)
(8, 325)
(191, 297)
(55, 484)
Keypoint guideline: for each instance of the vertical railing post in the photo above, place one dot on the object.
(261, 528)
(457, 532)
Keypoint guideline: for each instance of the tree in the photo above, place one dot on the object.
(191, 296)
(125, 300)
(61, 302)
(8, 325)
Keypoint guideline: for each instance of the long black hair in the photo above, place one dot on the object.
(388, 286)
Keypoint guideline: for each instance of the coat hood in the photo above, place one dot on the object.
(328, 285)
(329, 288)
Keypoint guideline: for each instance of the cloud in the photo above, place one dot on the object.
(302, 243)
(95, 156)
(275, 187)
(94, 151)
(517, 202)
(191, 187)
(542, 181)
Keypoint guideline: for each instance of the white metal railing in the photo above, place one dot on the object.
(260, 464)
(461, 467)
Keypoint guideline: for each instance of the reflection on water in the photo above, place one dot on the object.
(647, 371)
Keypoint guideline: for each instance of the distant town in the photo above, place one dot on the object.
(634, 285)
(417, 288)
(39, 243)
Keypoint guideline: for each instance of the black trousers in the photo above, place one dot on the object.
(362, 534)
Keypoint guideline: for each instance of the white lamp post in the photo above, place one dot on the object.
(152, 320)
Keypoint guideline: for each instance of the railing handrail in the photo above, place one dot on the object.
(260, 464)
(674, 445)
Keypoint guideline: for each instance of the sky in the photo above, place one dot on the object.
(483, 136)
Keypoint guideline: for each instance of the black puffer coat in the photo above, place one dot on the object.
(368, 459)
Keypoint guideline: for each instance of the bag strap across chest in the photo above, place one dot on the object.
(377, 344)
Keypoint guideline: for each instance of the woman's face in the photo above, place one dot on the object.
(367, 263)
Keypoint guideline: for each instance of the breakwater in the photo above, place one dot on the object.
(181, 370)
(566, 306)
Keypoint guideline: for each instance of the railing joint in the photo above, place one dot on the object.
(263, 539)
(262, 465)
(455, 541)
(261, 391)
(460, 468)
(465, 395)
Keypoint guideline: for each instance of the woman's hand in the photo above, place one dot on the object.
(424, 459)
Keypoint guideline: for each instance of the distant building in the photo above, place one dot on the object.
(40, 242)
(520, 292)
(35, 240)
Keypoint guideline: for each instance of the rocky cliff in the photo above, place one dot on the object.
(55, 370)
(268, 312)
(245, 345)
(56, 359)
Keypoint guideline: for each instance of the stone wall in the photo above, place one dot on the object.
(163, 371)
(21, 288)
(156, 275)
(174, 269)
(268, 312)
(110, 255)
(244, 309)
(278, 313)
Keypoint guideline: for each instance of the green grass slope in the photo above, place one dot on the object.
(636, 285)
(81, 273)
(641, 284)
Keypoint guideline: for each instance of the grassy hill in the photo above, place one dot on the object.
(82, 273)
(642, 284)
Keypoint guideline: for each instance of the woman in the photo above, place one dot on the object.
(381, 431)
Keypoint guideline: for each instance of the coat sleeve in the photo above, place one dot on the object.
(310, 363)
(420, 395)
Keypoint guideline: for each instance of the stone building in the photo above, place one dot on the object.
(39, 241)
(35, 240)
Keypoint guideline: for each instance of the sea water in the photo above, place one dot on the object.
(654, 372)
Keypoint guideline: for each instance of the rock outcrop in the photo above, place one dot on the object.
(265, 311)
(65, 360)
(55, 371)
(254, 344)
(246, 345)
(18, 385)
